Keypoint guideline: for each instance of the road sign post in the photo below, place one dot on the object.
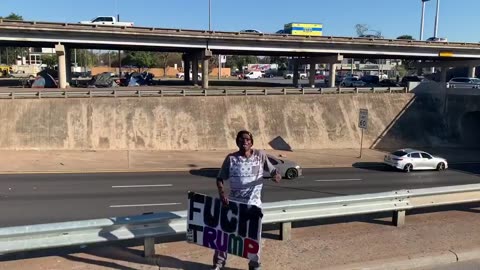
(362, 124)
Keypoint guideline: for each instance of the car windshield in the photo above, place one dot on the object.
(399, 153)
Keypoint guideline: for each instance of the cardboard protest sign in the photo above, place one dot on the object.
(235, 229)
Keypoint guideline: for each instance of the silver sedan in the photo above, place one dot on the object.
(286, 168)
(411, 159)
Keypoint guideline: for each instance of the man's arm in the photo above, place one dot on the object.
(267, 165)
(223, 175)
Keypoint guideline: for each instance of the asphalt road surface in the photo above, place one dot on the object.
(44, 198)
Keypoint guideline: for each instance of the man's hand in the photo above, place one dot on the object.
(223, 198)
(276, 178)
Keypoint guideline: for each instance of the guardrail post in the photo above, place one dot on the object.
(285, 231)
(246, 92)
(183, 92)
(339, 90)
(399, 218)
(149, 247)
(226, 93)
(205, 92)
(284, 91)
(90, 93)
(39, 95)
(356, 90)
(373, 89)
(266, 92)
(390, 89)
(303, 91)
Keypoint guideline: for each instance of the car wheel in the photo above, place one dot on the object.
(408, 168)
(441, 166)
(291, 173)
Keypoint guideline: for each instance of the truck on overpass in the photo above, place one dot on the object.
(303, 29)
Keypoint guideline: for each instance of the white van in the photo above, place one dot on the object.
(253, 75)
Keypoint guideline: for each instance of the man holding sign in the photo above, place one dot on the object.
(244, 170)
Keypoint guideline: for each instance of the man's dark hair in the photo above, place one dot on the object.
(243, 132)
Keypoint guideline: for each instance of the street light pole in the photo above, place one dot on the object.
(436, 19)
(209, 15)
(422, 23)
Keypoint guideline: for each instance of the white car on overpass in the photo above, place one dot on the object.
(411, 159)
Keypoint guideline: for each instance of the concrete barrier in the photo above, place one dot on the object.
(202, 123)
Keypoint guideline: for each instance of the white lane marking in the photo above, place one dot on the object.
(338, 180)
(142, 186)
(143, 205)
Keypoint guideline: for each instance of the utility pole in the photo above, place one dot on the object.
(436, 19)
(422, 22)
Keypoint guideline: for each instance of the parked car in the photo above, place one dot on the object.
(371, 36)
(411, 159)
(288, 169)
(371, 79)
(352, 82)
(289, 75)
(253, 75)
(407, 79)
(180, 75)
(20, 74)
(463, 82)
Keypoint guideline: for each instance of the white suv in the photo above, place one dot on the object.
(253, 75)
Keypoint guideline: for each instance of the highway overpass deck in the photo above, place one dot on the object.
(28, 33)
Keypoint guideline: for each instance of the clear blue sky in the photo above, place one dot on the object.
(458, 18)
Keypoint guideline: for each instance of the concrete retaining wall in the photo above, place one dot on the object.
(204, 123)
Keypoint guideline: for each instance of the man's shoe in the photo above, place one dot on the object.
(254, 268)
(216, 267)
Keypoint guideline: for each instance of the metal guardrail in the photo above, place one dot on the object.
(43, 236)
(99, 92)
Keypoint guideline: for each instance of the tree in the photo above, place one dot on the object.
(13, 16)
(163, 58)
(50, 60)
(408, 37)
(239, 61)
(361, 29)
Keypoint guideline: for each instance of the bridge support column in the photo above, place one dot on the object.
(333, 70)
(62, 67)
(471, 71)
(68, 65)
(207, 54)
(443, 75)
(295, 72)
(186, 68)
(195, 57)
(311, 75)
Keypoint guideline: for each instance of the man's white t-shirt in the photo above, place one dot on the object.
(246, 176)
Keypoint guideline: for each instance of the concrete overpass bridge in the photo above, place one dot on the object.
(200, 45)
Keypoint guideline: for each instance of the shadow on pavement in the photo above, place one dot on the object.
(374, 166)
(111, 265)
(206, 172)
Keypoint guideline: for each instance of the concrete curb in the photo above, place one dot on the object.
(414, 262)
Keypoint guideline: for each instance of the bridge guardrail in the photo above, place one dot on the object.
(43, 236)
(115, 93)
(206, 34)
